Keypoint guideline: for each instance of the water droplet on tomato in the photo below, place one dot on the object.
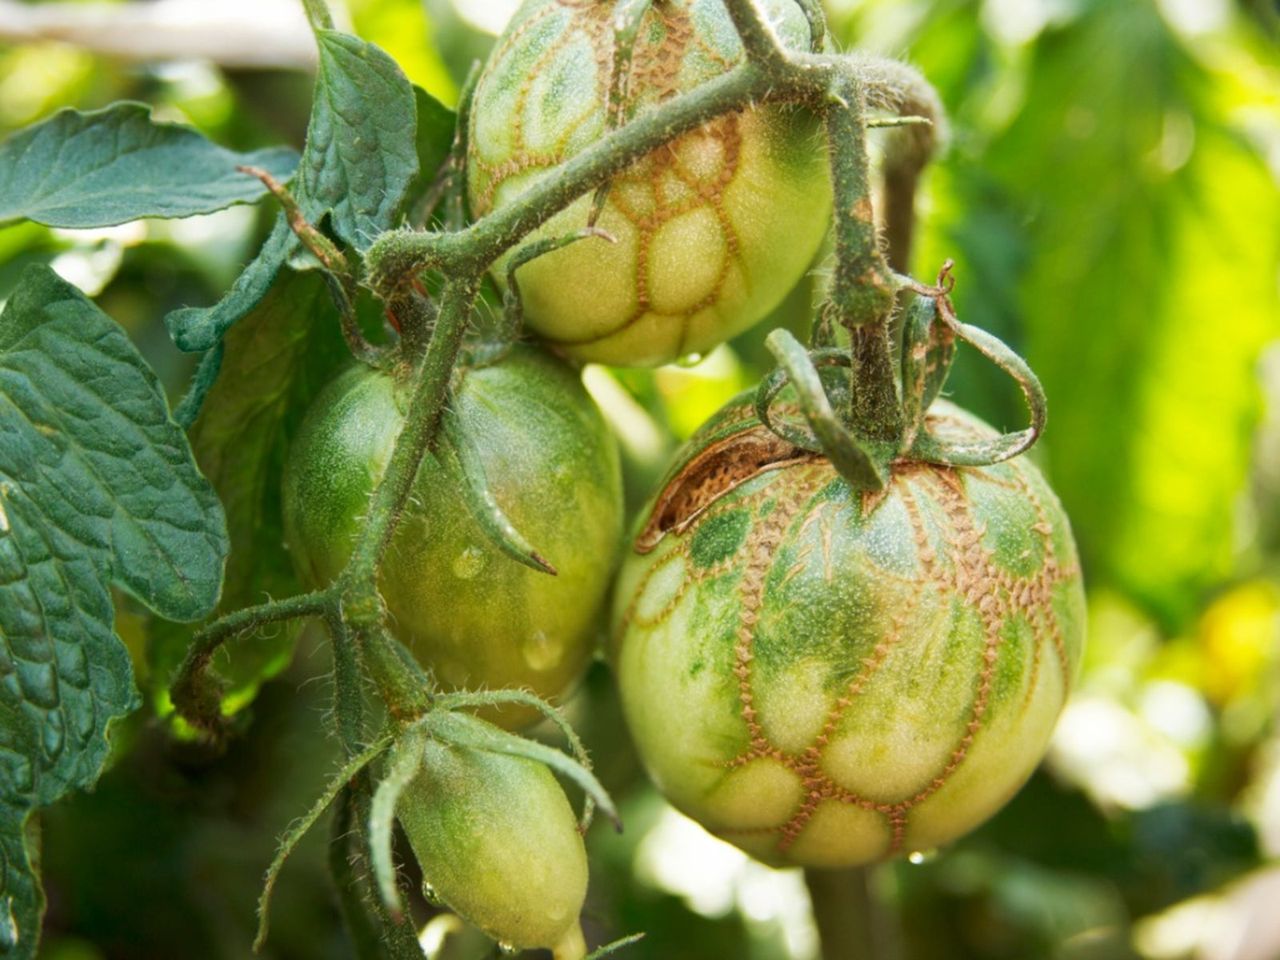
(431, 895)
(468, 564)
(921, 856)
(542, 652)
(689, 360)
(507, 949)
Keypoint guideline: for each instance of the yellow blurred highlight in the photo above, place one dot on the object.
(38, 78)
(1237, 638)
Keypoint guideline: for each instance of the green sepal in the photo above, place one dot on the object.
(402, 766)
(627, 16)
(298, 829)
(982, 453)
(464, 730)
(846, 452)
(512, 302)
(526, 698)
(928, 349)
(460, 460)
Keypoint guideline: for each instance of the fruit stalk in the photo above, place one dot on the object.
(846, 913)
(863, 288)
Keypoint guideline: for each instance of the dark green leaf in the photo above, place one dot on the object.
(361, 152)
(97, 486)
(276, 360)
(114, 165)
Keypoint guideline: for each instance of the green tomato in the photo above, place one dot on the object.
(475, 617)
(712, 230)
(827, 679)
(498, 842)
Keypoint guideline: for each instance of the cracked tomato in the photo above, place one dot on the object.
(712, 229)
(827, 679)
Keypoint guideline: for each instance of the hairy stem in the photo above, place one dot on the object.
(757, 35)
(191, 692)
(318, 14)
(348, 685)
(343, 867)
(397, 257)
(902, 91)
(421, 425)
(863, 287)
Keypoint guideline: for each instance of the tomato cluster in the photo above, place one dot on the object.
(821, 674)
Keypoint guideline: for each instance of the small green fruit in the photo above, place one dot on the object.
(474, 616)
(712, 230)
(827, 679)
(498, 842)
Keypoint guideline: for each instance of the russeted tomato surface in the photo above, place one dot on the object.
(712, 229)
(498, 842)
(474, 616)
(827, 679)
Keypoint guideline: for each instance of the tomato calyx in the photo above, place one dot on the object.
(863, 441)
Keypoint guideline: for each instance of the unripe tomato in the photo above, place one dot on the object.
(498, 842)
(827, 679)
(712, 230)
(474, 616)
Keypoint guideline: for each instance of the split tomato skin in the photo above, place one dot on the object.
(827, 679)
(711, 231)
(475, 617)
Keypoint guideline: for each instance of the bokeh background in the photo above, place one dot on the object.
(1111, 195)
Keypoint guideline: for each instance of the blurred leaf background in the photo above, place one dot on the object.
(1111, 196)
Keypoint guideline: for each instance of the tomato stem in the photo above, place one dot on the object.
(421, 427)
(318, 14)
(847, 914)
(195, 694)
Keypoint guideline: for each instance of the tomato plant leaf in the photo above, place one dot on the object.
(436, 127)
(360, 157)
(97, 486)
(361, 153)
(276, 361)
(118, 164)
